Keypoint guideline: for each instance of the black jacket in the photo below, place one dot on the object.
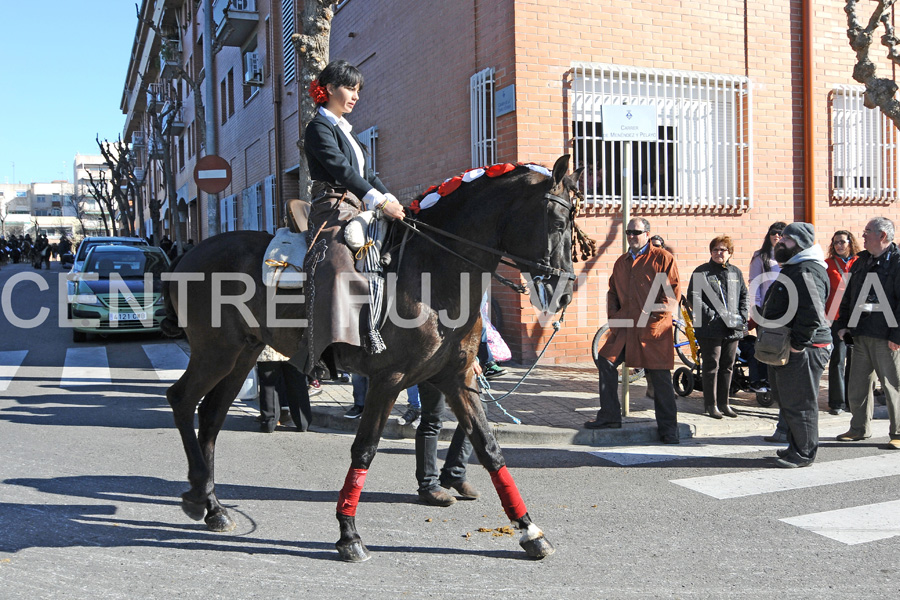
(872, 324)
(331, 159)
(726, 283)
(808, 323)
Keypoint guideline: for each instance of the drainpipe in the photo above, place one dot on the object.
(209, 90)
(809, 161)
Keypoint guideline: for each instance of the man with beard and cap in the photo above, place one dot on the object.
(797, 299)
(870, 312)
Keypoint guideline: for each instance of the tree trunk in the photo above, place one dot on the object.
(312, 57)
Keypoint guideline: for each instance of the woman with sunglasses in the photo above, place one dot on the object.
(763, 267)
(841, 255)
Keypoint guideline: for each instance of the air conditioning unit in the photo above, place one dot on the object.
(252, 69)
(245, 5)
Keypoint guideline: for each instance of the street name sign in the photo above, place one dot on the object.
(630, 123)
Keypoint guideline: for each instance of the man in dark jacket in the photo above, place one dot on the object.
(870, 312)
(797, 299)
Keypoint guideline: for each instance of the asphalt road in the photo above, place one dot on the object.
(92, 469)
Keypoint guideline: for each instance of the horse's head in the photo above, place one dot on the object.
(541, 231)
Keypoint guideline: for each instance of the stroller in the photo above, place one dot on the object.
(690, 378)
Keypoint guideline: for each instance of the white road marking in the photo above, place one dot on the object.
(85, 366)
(856, 525)
(767, 481)
(638, 455)
(168, 360)
(10, 361)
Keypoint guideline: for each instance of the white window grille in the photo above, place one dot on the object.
(228, 213)
(369, 139)
(703, 157)
(288, 28)
(269, 203)
(483, 125)
(865, 153)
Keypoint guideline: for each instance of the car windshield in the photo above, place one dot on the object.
(127, 265)
(86, 245)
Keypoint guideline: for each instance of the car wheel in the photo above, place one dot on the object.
(78, 336)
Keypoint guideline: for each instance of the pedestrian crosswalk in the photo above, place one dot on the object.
(90, 365)
(845, 524)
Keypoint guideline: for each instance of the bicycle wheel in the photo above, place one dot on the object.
(633, 375)
(683, 345)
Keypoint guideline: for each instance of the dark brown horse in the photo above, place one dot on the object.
(524, 215)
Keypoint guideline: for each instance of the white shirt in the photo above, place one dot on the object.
(373, 197)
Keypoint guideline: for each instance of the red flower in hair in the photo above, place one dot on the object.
(318, 92)
(414, 207)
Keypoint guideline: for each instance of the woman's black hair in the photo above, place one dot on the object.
(341, 73)
(766, 248)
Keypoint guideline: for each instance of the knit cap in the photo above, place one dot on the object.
(802, 233)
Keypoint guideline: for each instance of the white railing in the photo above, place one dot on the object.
(703, 157)
(865, 151)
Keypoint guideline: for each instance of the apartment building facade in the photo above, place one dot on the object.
(455, 85)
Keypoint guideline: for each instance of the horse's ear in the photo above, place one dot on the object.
(560, 167)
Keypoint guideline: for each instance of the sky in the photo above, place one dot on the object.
(62, 73)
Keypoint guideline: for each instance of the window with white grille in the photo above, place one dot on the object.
(369, 139)
(228, 213)
(865, 151)
(288, 28)
(703, 155)
(481, 109)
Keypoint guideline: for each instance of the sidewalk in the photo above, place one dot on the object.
(554, 402)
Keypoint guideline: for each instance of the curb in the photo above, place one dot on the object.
(640, 431)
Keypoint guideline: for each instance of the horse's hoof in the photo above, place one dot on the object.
(355, 551)
(194, 510)
(219, 521)
(535, 544)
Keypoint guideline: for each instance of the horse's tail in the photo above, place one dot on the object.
(169, 325)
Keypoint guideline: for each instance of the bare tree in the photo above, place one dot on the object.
(100, 189)
(312, 51)
(121, 178)
(4, 211)
(880, 91)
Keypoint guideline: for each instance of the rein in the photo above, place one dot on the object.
(505, 258)
(486, 385)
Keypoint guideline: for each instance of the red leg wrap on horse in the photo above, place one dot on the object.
(349, 496)
(509, 494)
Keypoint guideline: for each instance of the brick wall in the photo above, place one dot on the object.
(417, 60)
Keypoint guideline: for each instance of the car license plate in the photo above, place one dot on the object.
(127, 316)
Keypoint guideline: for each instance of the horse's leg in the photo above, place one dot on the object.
(184, 395)
(212, 413)
(466, 405)
(379, 400)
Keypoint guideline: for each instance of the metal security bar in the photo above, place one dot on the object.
(865, 151)
(369, 139)
(703, 157)
(483, 126)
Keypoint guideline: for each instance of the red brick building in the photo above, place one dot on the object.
(451, 85)
(728, 83)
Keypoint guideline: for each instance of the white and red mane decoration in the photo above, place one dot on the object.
(436, 192)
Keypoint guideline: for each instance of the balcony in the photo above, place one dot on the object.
(157, 148)
(172, 119)
(154, 97)
(235, 21)
(169, 58)
(138, 141)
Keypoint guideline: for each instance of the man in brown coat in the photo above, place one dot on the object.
(644, 290)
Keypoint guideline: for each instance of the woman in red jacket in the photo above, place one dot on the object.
(841, 254)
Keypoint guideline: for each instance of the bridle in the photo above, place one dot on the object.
(516, 262)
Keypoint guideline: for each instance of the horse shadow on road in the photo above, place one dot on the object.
(97, 525)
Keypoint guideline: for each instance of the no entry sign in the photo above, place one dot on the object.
(212, 174)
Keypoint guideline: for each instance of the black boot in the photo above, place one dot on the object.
(712, 411)
(727, 410)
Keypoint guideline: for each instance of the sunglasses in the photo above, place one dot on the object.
(634, 232)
